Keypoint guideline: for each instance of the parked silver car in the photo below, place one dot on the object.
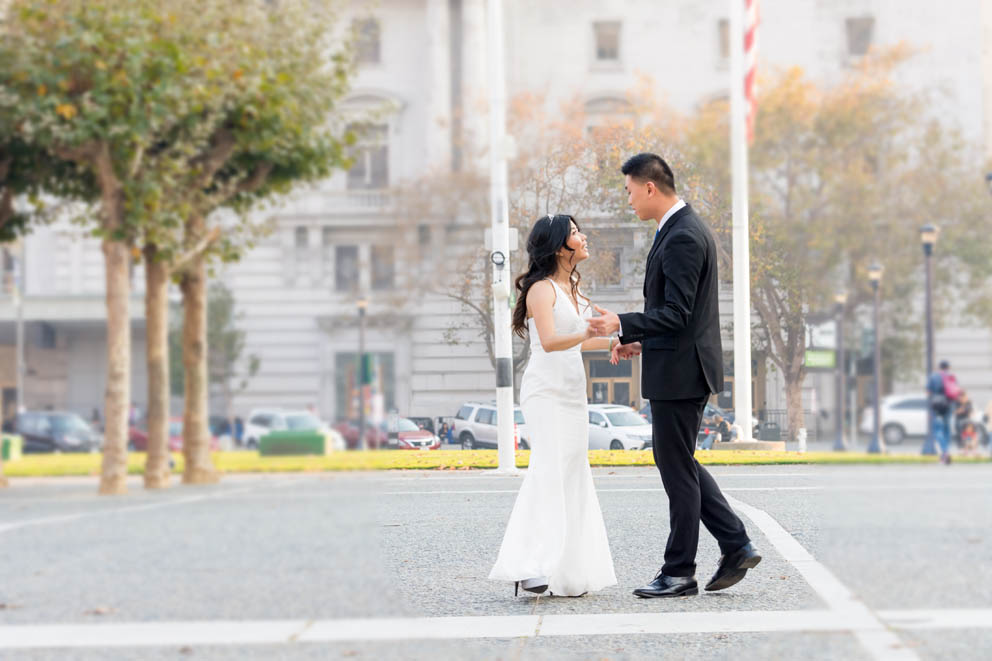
(475, 426)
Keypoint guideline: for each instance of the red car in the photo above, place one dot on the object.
(409, 436)
(138, 438)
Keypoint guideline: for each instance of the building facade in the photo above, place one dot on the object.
(421, 77)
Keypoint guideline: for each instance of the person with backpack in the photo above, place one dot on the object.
(943, 392)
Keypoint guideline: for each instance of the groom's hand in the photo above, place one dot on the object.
(606, 324)
(625, 352)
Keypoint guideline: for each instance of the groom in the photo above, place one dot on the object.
(679, 336)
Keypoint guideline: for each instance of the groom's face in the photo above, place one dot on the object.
(640, 197)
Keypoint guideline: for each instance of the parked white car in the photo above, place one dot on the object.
(262, 421)
(906, 415)
(616, 427)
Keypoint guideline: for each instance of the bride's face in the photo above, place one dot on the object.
(577, 242)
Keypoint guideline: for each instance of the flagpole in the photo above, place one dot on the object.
(742, 262)
(500, 255)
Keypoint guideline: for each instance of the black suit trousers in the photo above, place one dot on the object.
(693, 494)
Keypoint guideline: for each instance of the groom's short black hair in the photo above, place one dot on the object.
(653, 168)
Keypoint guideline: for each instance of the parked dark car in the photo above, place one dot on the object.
(709, 413)
(56, 431)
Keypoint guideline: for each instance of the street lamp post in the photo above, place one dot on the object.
(15, 265)
(877, 445)
(928, 237)
(840, 298)
(362, 305)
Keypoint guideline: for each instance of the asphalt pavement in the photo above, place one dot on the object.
(860, 562)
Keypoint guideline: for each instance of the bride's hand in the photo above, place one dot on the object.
(590, 332)
(625, 352)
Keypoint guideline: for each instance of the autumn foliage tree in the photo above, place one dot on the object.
(841, 176)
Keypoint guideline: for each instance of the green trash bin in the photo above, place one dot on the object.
(11, 447)
(293, 442)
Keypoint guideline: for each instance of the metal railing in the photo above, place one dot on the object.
(815, 427)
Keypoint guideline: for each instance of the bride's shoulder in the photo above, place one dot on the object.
(540, 296)
(542, 289)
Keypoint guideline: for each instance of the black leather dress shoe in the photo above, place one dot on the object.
(733, 567)
(669, 586)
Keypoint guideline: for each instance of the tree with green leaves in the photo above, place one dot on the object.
(278, 130)
(105, 88)
(173, 109)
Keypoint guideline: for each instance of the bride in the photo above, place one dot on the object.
(555, 539)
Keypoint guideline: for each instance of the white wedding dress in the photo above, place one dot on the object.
(556, 528)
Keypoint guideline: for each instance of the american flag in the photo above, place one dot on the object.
(750, 62)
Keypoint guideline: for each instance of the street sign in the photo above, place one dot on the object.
(822, 336)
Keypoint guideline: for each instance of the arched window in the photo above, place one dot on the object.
(371, 117)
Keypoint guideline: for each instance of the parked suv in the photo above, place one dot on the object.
(906, 415)
(616, 427)
(475, 426)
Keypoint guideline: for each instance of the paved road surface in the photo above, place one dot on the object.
(860, 563)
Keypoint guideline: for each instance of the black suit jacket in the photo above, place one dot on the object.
(679, 330)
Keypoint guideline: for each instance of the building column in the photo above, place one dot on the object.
(475, 75)
(438, 102)
(986, 19)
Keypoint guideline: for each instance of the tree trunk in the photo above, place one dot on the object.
(794, 404)
(157, 324)
(229, 408)
(117, 399)
(196, 434)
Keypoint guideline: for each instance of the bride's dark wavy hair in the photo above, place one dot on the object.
(548, 236)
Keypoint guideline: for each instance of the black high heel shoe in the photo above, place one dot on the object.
(535, 585)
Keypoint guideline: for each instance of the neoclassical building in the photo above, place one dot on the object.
(419, 93)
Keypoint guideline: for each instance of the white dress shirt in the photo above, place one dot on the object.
(671, 212)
